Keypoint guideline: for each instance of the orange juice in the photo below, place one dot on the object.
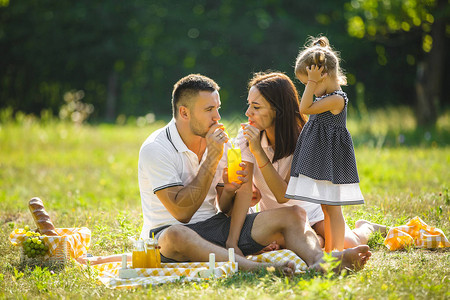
(234, 159)
(151, 255)
(138, 257)
(158, 256)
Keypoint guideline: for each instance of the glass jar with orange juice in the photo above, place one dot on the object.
(153, 259)
(139, 258)
(151, 254)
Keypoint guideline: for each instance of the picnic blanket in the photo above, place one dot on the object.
(108, 273)
(415, 232)
(78, 240)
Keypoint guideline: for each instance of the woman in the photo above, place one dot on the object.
(268, 142)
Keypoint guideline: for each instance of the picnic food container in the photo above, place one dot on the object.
(69, 243)
(59, 256)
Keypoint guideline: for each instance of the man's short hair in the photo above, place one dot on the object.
(188, 87)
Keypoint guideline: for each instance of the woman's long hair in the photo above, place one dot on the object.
(279, 90)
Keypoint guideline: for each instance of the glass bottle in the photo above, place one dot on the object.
(151, 254)
(138, 256)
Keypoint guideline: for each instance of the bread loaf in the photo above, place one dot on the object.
(41, 217)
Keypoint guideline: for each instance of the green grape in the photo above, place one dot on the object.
(34, 246)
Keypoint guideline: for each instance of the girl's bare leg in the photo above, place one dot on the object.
(334, 224)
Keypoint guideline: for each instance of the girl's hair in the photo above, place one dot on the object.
(279, 90)
(318, 51)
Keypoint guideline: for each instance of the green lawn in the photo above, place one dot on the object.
(87, 176)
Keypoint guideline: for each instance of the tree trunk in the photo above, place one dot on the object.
(430, 73)
(111, 97)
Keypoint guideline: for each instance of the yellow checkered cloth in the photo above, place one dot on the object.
(281, 256)
(415, 232)
(76, 239)
(108, 273)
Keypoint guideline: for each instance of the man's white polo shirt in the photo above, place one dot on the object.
(165, 161)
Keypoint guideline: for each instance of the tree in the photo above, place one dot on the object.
(126, 56)
(409, 23)
(49, 48)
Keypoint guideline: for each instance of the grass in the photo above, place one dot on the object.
(87, 175)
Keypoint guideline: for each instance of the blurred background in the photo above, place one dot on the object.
(113, 61)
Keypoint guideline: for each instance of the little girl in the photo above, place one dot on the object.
(324, 167)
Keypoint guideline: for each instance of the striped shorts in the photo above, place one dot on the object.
(216, 229)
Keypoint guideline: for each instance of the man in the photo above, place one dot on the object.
(181, 167)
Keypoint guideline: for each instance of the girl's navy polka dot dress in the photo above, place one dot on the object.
(324, 167)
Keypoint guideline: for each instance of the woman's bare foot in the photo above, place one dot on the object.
(350, 259)
(373, 226)
(287, 268)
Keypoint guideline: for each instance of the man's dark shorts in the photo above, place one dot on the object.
(216, 229)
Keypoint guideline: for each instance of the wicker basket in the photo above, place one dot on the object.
(60, 257)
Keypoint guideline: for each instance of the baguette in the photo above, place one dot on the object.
(41, 217)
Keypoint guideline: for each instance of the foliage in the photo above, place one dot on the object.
(374, 17)
(126, 56)
(418, 30)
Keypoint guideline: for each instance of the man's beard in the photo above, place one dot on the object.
(196, 127)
